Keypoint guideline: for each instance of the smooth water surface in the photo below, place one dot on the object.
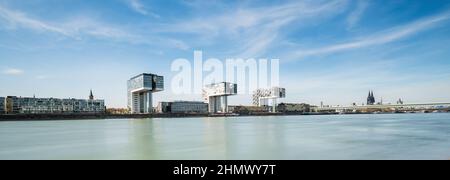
(383, 136)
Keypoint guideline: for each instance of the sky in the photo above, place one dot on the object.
(333, 51)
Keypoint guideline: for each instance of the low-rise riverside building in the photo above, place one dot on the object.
(294, 108)
(246, 110)
(33, 105)
(118, 111)
(178, 107)
(2, 105)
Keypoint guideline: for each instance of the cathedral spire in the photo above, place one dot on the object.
(91, 96)
(371, 98)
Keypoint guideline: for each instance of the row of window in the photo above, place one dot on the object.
(17, 105)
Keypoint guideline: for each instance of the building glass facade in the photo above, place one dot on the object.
(268, 97)
(183, 107)
(140, 90)
(216, 95)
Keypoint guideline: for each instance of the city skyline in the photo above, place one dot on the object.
(330, 51)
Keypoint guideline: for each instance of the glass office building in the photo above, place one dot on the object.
(216, 95)
(140, 90)
(263, 97)
(183, 107)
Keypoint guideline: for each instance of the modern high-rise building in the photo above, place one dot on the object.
(261, 97)
(216, 95)
(140, 92)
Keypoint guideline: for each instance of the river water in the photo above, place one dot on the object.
(381, 136)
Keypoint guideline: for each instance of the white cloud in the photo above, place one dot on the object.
(253, 30)
(248, 18)
(267, 26)
(81, 27)
(388, 36)
(75, 28)
(13, 72)
(17, 18)
(86, 26)
(355, 16)
(138, 7)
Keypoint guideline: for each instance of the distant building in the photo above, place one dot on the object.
(12, 105)
(246, 110)
(381, 102)
(2, 105)
(371, 98)
(91, 96)
(118, 111)
(140, 90)
(261, 97)
(216, 95)
(163, 107)
(294, 108)
(182, 107)
(32, 105)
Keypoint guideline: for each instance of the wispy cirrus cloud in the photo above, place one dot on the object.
(254, 29)
(13, 72)
(268, 31)
(73, 29)
(81, 27)
(138, 7)
(355, 16)
(246, 18)
(17, 18)
(384, 37)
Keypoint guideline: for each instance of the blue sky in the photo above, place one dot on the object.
(333, 51)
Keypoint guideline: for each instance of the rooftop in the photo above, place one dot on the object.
(143, 74)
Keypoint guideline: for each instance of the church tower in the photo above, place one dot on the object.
(91, 96)
(371, 98)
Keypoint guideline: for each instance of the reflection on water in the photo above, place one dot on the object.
(396, 136)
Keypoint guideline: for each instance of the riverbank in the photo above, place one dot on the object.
(47, 117)
(54, 117)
